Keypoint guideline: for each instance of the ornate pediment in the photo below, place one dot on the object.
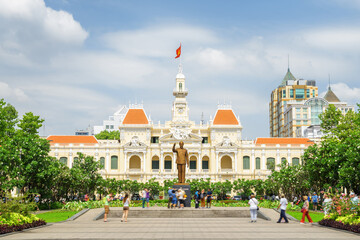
(135, 144)
(226, 143)
(191, 137)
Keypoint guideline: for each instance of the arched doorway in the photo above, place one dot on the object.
(226, 164)
(135, 163)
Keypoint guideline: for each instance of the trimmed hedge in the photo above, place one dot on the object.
(335, 224)
(8, 229)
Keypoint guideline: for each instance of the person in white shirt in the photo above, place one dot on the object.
(283, 204)
(181, 197)
(253, 207)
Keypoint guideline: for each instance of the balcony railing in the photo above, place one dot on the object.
(135, 170)
(167, 170)
(226, 170)
(192, 170)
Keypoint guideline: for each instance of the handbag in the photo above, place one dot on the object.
(303, 210)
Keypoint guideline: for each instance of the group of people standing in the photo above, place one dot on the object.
(176, 198)
(126, 206)
(201, 197)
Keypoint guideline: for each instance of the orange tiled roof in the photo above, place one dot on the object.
(283, 141)
(72, 139)
(225, 117)
(135, 116)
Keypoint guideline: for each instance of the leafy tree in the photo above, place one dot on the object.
(221, 189)
(199, 184)
(153, 186)
(336, 160)
(113, 135)
(85, 174)
(243, 186)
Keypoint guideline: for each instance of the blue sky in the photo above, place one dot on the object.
(74, 62)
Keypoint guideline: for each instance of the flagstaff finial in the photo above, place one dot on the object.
(180, 68)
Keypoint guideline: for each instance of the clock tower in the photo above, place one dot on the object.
(180, 109)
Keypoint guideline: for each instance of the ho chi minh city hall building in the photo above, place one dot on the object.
(144, 151)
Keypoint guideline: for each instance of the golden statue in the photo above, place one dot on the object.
(182, 158)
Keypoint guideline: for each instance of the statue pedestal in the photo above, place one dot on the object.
(187, 189)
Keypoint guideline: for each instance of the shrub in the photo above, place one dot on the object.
(335, 224)
(5, 228)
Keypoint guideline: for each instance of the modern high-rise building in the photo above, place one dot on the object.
(290, 90)
(306, 114)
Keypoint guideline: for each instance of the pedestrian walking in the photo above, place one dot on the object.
(170, 197)
(37, 200)
(326, 204)
(106, 200)
(253, 207)
(196, 198)
(315, 201)
(208, 199)
(305, 211)
(147, 198)
(283, 204)
(143, 197)
(202, 198)
(126, 207)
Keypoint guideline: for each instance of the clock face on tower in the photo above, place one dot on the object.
(180, 110)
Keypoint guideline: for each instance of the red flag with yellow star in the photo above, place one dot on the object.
(178, 52)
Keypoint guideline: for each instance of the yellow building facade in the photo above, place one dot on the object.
(216, 149)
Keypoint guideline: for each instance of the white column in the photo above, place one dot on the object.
(199, 163)
(253, 163)
(236, 162)
(277, 158)
(263, 160)
(125, 160)
(217, 161)
(107, 160)
(144, 161)
(161, 162)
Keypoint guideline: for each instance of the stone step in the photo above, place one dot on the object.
(181, 213)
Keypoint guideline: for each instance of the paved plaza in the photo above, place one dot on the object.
(180, 228)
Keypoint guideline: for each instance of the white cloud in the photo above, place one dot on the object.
(345, 93)
(29, 28)
(159, 41)
(334, 39)
(12, 93)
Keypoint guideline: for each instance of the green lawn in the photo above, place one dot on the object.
(56, 215)
(315, 216)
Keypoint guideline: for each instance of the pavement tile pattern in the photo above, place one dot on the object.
(181, 228)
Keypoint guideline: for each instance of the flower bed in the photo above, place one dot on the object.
(336, 224)
(17, 222)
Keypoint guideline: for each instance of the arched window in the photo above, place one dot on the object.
(63, 160)
(102, 163)
(270, 163)
(114, 162)
(155, 163)
(295, 161)
(246, 162)
(226, 162)
(135, 162)
(205, 163)
(193, 162)
(283, 161)
(257, 161)
(168, 162)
